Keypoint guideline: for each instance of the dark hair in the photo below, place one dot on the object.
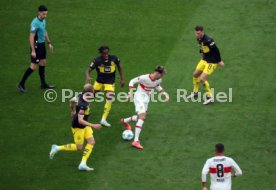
(199, 28)
(160, 69)
(219, 148)
(102, 48)
(42, 8)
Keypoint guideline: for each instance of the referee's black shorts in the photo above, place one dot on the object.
(40, 51)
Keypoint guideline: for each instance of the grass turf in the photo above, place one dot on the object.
(178, 137)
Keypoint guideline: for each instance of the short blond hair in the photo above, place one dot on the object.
(88, 87)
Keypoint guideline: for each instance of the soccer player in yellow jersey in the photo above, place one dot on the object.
(207, 65)
(105, 66)
(81, 128)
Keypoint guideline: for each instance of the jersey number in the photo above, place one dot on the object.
(107, 69)
(220, 170)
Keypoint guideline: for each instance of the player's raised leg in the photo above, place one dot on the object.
(125, 121)
(78, 135)
(67, 147)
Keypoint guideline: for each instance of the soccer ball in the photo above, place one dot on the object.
(127, 135)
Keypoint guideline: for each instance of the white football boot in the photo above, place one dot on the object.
(83, 167)
(105, 123)
(208, 101)
(54, 150)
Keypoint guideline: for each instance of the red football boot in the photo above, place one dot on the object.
(128, 127)
(137, 144)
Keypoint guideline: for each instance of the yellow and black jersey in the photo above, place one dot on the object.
(209, 49)
(106, 68)
(82, 105)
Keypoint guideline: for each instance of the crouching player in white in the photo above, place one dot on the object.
(146, 85)
(220, 168)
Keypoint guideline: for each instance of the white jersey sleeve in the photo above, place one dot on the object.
(137, 80)
(205, 171)
(158, 87)
(238, 171)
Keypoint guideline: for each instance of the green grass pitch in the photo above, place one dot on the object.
(178, 137)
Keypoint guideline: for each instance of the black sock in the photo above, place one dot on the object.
(42, 74)
(27, 73)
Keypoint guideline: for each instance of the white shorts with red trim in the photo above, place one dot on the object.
(141, 101)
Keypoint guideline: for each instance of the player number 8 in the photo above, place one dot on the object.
(220, 170)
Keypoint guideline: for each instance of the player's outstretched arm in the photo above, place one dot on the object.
(162, 91)
(86, 123)
(131, 84)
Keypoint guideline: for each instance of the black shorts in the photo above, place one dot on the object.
(40, 51)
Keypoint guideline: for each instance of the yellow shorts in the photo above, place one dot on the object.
(81, 134)
(104, 87)
(205, 67)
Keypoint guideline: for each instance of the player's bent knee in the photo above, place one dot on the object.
(91, 141)
(109, 96)
(42, 63)
(142, 117)
(196, 75)
(79, 146)
(33, 66)
(202, 80)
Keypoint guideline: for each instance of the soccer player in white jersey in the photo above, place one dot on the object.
(146, 85)
(220, 168)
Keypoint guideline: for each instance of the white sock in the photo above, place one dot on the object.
(138, 129)
(132, 118)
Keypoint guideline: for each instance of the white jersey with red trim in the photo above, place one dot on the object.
(220, 168)
(142, 95)
(146, 84)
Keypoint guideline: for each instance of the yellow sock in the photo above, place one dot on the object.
(207, 88)
(68, 147)
(86, 153)
(195, 82)
(107, 108)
